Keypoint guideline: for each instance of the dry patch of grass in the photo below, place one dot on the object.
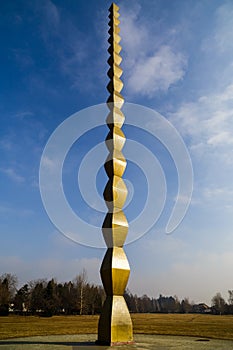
(210, 326)
(25, 326)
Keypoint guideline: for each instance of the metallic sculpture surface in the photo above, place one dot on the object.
(115, 325)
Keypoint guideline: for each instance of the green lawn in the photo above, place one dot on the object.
(219, 327)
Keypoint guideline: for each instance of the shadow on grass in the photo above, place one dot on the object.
(75, 345)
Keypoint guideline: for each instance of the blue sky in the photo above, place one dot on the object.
(177, 60)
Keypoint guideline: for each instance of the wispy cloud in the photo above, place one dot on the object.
(19, 212)
(67, 43)
(219, 193)
(11, 173)
(51, 165)
(23, 115)
(214, 195)
(221, 40)
(52, 14)
(208, 121)
(156, 72)
(221, 138)
(206, 125)
(152, 63)
(23, 57)
(217, 48)
(134, 34)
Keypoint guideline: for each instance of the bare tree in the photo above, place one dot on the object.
(230, 299)
(81, 284)
(218, 304)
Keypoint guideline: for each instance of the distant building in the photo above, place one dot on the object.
(201, 308)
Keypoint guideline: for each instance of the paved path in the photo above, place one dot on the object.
(87, 342)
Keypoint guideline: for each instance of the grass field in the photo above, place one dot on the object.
(210, 326)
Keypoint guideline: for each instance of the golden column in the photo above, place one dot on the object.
(115, 325)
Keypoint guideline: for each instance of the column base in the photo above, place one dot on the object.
(104, 343)
(115, 325)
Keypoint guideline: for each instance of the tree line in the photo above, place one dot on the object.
(79, 297)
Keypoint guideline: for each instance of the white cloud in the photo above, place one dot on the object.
(51, 14)
(156, 72)
(224, 138)
(10, 172)
(217, 48)
(207, 127)
(134, 34)
(8, 210)
(208, 121)
(221, 40)
(23, 115)
(69, 46)
(151, 63)
(213, 197)
(219, 193)
(51, 165)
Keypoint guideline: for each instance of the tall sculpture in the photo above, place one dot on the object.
(115, 325)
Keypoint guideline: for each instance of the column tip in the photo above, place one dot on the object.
(114, 7)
